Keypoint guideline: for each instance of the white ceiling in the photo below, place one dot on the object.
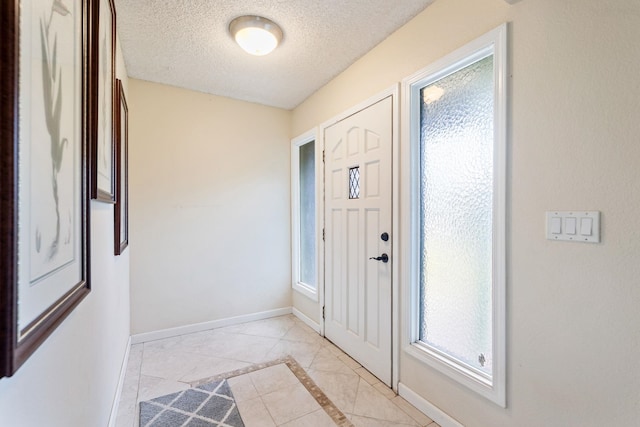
(186, 43)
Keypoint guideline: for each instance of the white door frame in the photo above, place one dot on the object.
(394, 92)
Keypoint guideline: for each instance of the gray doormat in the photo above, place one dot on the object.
(207, 405)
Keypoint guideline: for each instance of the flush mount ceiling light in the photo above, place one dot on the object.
(255, 34)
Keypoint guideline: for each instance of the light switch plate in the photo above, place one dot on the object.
(576, 223)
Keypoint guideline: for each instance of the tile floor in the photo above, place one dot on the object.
(269, 397)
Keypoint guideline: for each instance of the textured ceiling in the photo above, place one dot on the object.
(186, 43)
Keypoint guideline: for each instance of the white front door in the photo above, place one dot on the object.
(357, 228)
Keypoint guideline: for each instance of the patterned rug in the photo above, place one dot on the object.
(207, 405)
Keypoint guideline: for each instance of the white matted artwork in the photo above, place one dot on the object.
(103, 166)
(50, 154)
(121, 210)
(45, 120)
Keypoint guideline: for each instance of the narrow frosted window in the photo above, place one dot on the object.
(456, 210)
(307, 214)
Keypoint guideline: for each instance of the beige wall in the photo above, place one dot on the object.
(71, 379)
(209, 207)
(573, 334)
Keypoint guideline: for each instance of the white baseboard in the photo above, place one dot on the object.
(428, 408)
(205, 326)
(116, 399)
(307, 320)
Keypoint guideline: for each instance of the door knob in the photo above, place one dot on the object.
(384, 258)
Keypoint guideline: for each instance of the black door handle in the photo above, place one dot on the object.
(384, 258)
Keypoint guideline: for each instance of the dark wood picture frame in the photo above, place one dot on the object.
(68, 145)
(121, 209)
(103, 152)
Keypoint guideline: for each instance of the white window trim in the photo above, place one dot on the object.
(494, 42)
(305, 289)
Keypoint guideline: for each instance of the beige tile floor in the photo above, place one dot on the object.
(269, 397)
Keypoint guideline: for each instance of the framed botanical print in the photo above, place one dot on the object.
(121, 209)
(103, 148)
(45, 124)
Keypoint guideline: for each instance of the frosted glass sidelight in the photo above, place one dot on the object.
(456, 209)
(307, 214)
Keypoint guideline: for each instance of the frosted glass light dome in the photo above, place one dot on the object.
(255, 34)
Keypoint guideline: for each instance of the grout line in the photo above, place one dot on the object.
(136, 415)
(356, 398)
(266, 408)
(396, 424)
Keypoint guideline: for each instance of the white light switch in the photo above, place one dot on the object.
(585, 226)
(574, 226)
